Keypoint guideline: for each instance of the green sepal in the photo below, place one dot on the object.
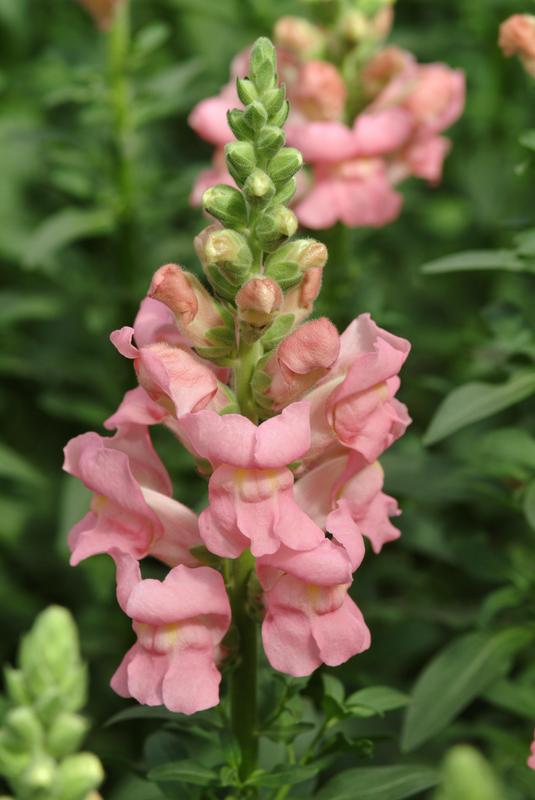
(273, 99)
(215, 354)
(270, 140)
(226, 204)
(78, 775)
(280, 328)
(255, 116)
(240, 159)
(263, 64)
(246, 91)
(205, 556)
(223, 287)
(16, 686)
(285, 192)
(238, 126)
(285, 164)
(66, 734)
(280, 116)
(221, 336)
(287, 274)
(274, 226)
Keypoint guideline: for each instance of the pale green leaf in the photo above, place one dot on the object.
(475, 260)
(476, 401)
(62, 229)
(379, 783)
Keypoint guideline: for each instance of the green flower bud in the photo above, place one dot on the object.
(255, 115)
(259, 185)
(16, 686)
(274, 225)
(279, 117)
(263, 65)
(66, 734)
(238, 126)
(77, 776)
(270, 140)
(285, 164)
(241, 159)
(226, 204)
(50, 661)
(305, 253)
(38, 777)
(246, 91)
(468, 776)
(273, 100)
(285, 192)
(229, 259)
(22, 730)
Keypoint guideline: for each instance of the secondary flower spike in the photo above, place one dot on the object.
(366, 116)
(282, 416)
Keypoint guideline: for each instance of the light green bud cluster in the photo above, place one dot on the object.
(250, 246)
(42, 729)
(467, 775)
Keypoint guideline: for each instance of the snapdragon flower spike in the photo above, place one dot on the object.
(180, 623)
(132, 510)
(251, 489)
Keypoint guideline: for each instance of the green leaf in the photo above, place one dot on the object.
(528, 504)
(375, 700)
(17, 468)
(475, 260)
(379, 783)
(528, 140)
(185, 771)
(21, 306)
(516, 697)
(525, 242)
(475, 401)
(64, 228)
(455, 677)
(283, 776)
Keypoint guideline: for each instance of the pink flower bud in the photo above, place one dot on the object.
(320, 92)
(298, 35)
(383, 68)
(101, 10)
(299, 301)
(302, 359)
(517, 36)
(258, 300)
(194, 308)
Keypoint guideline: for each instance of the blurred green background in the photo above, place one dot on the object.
(94, 197)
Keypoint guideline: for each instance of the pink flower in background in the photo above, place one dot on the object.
(310, 620)
(179, 623)
(132, 510)
(354, 404)
(343, 495)
(531, 759)
(251, 488)
(517, 37)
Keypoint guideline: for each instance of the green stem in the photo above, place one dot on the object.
(122, 126)
(248, 356)
(243, 690)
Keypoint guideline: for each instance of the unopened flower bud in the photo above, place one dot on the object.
(299, 301)
(226, 204)
(38, 776)
(255, 115)
(241, 159)
(78, 775)
(467, 775)
(306, 253)
(102, 11)
(320, 91)
(517, 37)
(259, 185)
(285, 164)
(258, 300)
(22, 730)
(299, 36)
(274, 100)
(238, 126)
(194, 308)
(66, 734)
(199, 242)
(246, 91)
(270, 140)
(263, 66)
(355, 26)
(274, 225)
(300, 360)
(227, 261)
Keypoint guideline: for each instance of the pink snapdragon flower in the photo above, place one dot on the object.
(310, 619)
(517, 37)
(251, 488)
(179, 623)
(343, 495)
(531, 759)
(166, 367)
(132, 510)
(354, 404)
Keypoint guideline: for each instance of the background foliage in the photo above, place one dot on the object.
(96, 164)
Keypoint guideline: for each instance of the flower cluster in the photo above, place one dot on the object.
(364, 115)
(285, 417)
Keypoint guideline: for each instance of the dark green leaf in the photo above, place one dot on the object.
(375, 700)
(379, 783)
(64, 228)
(475, 401)
(459, 674)
(283, 776)
(185, 771)
(516, 697)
